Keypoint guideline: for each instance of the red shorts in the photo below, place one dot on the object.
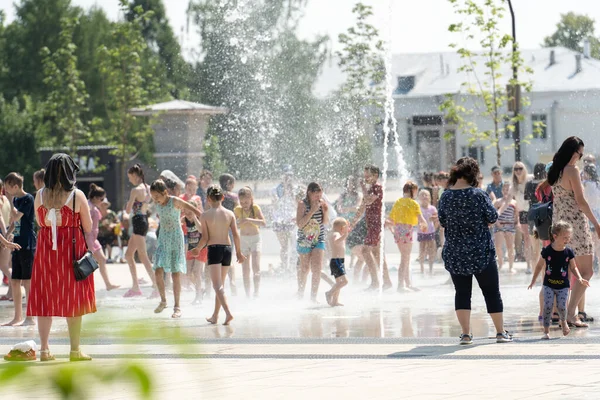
(202, 257)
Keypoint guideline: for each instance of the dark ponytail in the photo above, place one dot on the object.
(136, 169)
(96, 191)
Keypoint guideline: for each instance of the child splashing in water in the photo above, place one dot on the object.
(337, 246)
(404, 216)
(250, 218)
(170, 254)
(426, 239)
(217, 222)
(558, 259)
(195, 257)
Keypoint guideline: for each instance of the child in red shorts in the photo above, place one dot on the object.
(196, 258)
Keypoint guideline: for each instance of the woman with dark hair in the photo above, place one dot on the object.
(138, 207)
(312, 216)
(466, 212)
(571, 206)
(96, 197)
(63, 216)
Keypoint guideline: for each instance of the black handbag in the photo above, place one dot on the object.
(87, 264)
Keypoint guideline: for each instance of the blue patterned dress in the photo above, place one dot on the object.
(466, 214)
(170, 254)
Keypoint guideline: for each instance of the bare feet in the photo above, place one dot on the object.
(112, 287)
(372, 288)
(565, 328)
(213, 320)
(228, 319)
(14, 322)
(338, 304)
(328, 298)
(197, 300)
(386, 286)
(546, 336)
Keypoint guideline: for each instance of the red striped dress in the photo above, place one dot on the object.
(54, 290)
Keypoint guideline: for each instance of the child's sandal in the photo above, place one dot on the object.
(161, 307)
(176, 312)
(45, 355)
(78, 355)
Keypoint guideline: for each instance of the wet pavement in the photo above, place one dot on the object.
(277, 313)
(389, 345)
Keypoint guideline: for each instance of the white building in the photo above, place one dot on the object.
(565, 96)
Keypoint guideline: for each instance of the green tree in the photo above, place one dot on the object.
(20, 126)
(485, 88)
(163, 51)
(92, 31)
(361, 60)
(571, 31)
(37, 25)
(124, 88)
(253, 63)
(3, 54)
(66, 102)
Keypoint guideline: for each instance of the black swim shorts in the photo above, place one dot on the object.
(219, 254)
(337, 267)
(140, 225)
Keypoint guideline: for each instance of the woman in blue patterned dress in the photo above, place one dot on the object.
(170, 254)
(466, 213)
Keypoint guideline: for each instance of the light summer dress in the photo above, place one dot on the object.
(565, 208)
(170, 254)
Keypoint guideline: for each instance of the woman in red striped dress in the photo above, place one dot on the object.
(54, 290)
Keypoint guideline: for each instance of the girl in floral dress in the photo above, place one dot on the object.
(170, 254)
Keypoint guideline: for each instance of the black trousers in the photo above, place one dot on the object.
(489, 284)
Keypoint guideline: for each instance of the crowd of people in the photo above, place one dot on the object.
(186, 234)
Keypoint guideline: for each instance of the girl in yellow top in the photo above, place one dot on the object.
(405, 215)
(249, 218)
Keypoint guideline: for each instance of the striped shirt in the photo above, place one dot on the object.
(314, 231)
(507, 216)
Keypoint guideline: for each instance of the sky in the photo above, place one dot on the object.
(413, 26)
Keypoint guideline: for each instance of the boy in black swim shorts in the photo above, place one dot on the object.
(337, 244)
(217, 222)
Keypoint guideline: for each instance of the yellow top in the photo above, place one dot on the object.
(405, 211)
(249, 228)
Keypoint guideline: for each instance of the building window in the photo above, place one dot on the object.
(409, 131)
(476, 152)
(425, 120)
(538, 126)
(380, 134)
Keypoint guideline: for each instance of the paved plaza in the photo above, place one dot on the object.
(388, 346)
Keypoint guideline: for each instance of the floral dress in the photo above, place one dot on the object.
(465, 215)
(565, 208)
(170, 254)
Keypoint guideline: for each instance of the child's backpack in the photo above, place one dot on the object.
(541, 216)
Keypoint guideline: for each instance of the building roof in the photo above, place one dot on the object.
(178, 107)
(437, 73)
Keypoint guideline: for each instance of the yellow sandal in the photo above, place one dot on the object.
(77, 355)
(45, 355)
(161, 307)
